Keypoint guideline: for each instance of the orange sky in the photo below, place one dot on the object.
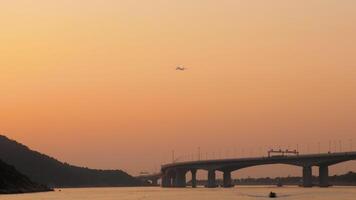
(93, 82)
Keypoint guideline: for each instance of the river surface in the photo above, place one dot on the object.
(156, 193)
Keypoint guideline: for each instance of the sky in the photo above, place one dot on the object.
(93, 82)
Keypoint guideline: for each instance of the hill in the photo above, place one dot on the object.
(12, 181)
(47, 170)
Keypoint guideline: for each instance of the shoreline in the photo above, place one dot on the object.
(20, 191)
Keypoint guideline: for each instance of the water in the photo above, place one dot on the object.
(150, 193)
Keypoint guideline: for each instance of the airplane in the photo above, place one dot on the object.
(181, 68)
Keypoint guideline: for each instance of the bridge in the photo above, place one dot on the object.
(174, 174)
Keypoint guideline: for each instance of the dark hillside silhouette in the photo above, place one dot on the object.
(47, 170)
(12, 181)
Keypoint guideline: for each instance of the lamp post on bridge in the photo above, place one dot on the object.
(318, 147)
(199, 153)
(351, 145)
(173, 156)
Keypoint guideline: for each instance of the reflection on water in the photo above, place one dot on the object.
(243, 193)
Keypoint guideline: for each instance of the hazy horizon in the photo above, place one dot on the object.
(93, 83)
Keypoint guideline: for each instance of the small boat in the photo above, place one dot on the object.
(272, 195)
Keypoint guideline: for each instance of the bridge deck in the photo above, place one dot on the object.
(261, 159)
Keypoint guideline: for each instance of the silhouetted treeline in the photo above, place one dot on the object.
(47, 170)
(269, 181)
(345, 179)
(12, 181)
(348, 179)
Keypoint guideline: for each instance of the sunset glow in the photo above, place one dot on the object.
(94, 83)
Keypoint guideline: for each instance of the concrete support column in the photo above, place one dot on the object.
(307, 176)
(194, 178)
(324, 176)
(180, 180)
(211, 179)
(172, 179)
(227, 179)
(166, 181)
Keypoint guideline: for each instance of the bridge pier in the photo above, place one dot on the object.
(194, 178)
(227, 179)
(180, 180)
(324, 176)
(173, 180)
(211, 179)
(307, 176)
(165, 181)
